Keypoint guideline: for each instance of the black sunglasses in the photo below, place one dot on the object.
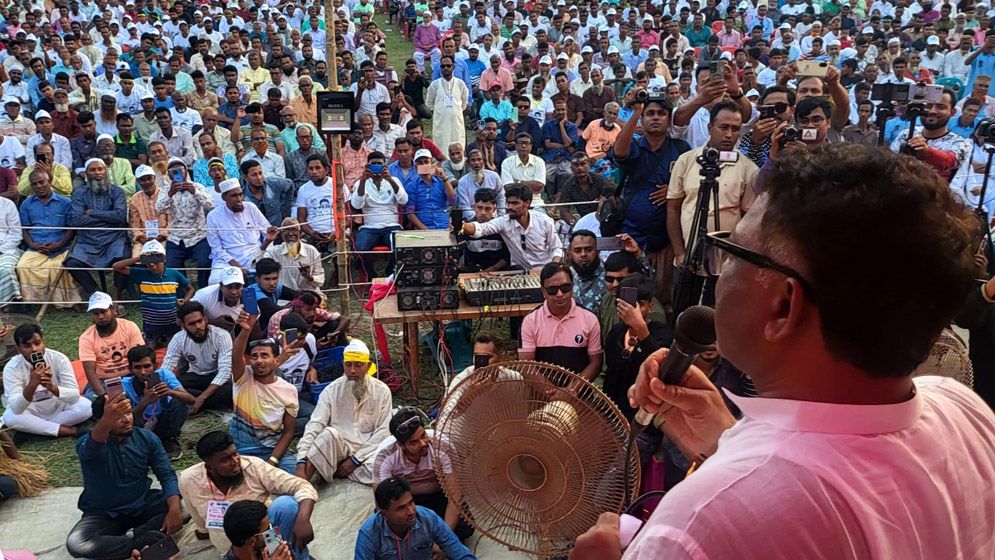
(720, 240)
(562, 288)
(409, 426)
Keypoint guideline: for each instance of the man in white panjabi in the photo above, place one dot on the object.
(447, 97)
(349, 422)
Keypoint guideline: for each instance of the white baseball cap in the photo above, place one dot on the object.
(933, 40)
(546, 60)
(43, 114)
(231, 275)
(144, 171)
(423, 153)
(100, 300)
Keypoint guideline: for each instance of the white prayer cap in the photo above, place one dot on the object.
(229, 185)
(92, 161)
(144, 171)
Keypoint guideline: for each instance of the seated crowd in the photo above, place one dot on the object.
(147, 139)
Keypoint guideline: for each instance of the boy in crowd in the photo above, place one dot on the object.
(161, 289)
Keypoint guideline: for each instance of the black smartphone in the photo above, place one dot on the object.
(154, 379)
(481, 361)
(37, 358)
(43, 158)
(628, 294)
(767, 111)
(290, 336)
(609, 244)
(164, 549)
(249, 302)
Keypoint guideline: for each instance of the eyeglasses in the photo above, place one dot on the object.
(613, 279)
(720, 240)
(409, 426)
(562, 288)
(445, 66)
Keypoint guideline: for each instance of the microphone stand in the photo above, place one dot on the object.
(690, 284)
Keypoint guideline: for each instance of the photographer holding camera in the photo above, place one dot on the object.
(812, 120)
(932, 142)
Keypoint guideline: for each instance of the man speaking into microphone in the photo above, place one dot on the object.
(836, 284)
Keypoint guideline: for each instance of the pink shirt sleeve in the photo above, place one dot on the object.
(528, 333)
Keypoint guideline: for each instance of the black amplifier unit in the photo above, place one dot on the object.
(425, 248)
(427, 298)
(436, 275)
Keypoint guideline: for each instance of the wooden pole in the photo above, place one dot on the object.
(338, 179)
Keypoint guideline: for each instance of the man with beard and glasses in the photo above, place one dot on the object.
(100, 210)
(348, 424)
(478, 178)
(266, 405)
(586, 269)
(225, 477)
(408, 453)
(205, 354)
(932, 142)
(118, 503)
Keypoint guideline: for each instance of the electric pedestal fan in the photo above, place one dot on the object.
(536, 455)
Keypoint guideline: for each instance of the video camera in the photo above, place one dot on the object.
(645, 96)
(986, 131)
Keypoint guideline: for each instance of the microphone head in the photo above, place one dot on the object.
(695, 331)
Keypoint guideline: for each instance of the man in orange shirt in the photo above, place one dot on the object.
(600, 134)
(104, 345)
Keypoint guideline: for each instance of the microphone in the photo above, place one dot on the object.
(694, 334)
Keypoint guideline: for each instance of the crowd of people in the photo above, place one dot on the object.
(608, 146)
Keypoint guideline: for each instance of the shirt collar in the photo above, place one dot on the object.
(830, 418)
(569, 315)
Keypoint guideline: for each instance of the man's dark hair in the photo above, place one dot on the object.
(809, 104)
(723, 106)
(122, 117)
(253, 108)
(389, 490)
(622, 259)
(294, 320)
(242, 520)
(196, 74)
(375, 155)
(485, 195)
(402, 416)
(413, 124)
(316, 157)
(266, 266)
(645, 287)
(972, 102)
(382, 106)
(583, 233)
(25, 332)
(401, 142)
(888, 213)
(212, 443)
(552, 269)
(866, 102)
(161, 110)
(247, 166)
(139, 353)
(778, 89)
(188, 308)
(84, 117)
(519, 191)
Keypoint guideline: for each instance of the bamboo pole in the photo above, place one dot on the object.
(335, 147)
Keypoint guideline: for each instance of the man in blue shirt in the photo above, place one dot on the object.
(430, 193)
(403, 530)
(38, 266)
(982, 63)
(117, 492)
(160, 407)
(963, 124)
(560, 140)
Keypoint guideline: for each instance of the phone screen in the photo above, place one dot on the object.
(161, 550)
(154, 379)
(290, 336)
(481, 361)
(609, 244)
(37, 358)
(177, 175)
(628, 295)
(249, 302)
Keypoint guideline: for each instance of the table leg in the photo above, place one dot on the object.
(412, 347)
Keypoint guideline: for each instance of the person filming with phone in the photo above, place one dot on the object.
(159, 402)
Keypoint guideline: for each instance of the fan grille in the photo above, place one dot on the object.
(535, 464)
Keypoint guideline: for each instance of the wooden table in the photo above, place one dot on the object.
(385, 312)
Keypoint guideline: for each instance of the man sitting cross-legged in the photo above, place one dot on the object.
(225, 477)
(118, 503)
(349, 422)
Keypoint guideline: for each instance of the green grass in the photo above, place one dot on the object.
(62, 329)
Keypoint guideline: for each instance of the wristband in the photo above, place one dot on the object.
(738, 96)
(355, 461)
(273, 461)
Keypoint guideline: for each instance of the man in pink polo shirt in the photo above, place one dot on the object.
(561, 332)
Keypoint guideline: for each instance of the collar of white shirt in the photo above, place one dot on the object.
(830, 418)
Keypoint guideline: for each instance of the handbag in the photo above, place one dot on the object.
(611, 213)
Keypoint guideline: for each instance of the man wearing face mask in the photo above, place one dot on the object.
(348, 424)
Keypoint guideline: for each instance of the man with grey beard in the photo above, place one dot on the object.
(349, 422)
(100, 208)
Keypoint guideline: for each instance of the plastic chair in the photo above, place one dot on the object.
(954, 84)
(718, 26)
(730, 50)
(329, 357)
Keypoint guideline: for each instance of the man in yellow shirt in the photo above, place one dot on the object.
(254, 76)
(58, 174)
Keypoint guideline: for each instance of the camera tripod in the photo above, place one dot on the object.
(691, 283)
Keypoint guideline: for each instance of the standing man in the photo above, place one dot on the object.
(186, 206)
(933, 143)
(448, 98)
(735, 196)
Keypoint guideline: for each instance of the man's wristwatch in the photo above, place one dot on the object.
(738, 96)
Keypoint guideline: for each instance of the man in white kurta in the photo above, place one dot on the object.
(349, 422)
(447, 97)
(234, 231)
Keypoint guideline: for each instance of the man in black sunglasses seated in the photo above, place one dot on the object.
(560, 331)
(836, 285)
(410, 453)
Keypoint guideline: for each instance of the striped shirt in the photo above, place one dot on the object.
(159, 294)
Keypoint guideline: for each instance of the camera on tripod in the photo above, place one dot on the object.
(986, 131)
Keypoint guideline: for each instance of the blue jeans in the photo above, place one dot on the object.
(368, 238)
(178, 254)
(247, 445)
(283, 514)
